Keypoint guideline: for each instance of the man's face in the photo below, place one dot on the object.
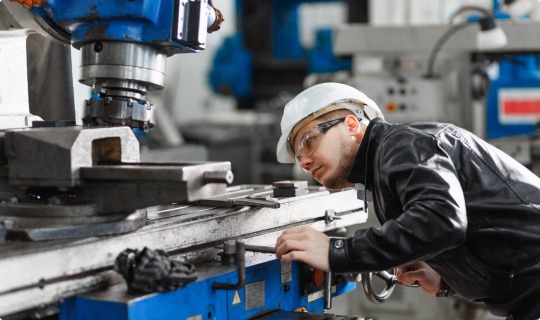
(326, 154)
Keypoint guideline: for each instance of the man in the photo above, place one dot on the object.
(456, 213)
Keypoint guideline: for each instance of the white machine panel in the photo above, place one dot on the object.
(405, 101)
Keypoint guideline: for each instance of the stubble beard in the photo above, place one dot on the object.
(339, 180)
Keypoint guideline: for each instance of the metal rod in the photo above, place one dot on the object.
(262, 249)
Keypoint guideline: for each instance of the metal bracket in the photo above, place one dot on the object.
(330, 216)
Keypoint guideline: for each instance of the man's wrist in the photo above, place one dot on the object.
(445, 290)
(339, 258)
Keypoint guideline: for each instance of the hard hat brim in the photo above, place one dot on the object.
(282, 151)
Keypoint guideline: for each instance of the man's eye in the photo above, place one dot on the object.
(309, 141)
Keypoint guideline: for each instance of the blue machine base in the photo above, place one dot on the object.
(269, 286)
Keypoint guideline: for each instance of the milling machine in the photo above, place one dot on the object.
(74, 198)
(72, 181)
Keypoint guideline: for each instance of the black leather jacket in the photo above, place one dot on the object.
(446, 197)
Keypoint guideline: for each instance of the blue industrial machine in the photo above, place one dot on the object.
(228, 240)
(124, 46)
(269, 52)
(231, 72)
(513, 101)
(157, 23)
(270, 288)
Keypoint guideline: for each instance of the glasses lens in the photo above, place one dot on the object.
(309, 140)
(308, 143)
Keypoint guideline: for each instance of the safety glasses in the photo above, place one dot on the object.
(310, 140)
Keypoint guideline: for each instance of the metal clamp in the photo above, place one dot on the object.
(237, 253)
(330, 216)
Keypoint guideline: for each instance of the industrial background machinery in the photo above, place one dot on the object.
(264, 66)
(439, 72)
(269, 51)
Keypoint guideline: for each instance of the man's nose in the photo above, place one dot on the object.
(306, 161)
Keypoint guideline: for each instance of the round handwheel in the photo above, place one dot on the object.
(390, 280)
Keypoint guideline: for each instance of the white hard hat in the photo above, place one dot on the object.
(317, 98)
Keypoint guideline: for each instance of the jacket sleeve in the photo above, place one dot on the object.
(416, 171)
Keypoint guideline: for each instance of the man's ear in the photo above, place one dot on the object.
(352, 123)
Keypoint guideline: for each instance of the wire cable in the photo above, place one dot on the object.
(455, 28)
(442, 40)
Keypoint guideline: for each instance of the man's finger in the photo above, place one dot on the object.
(294, 236)
(306, 258)
(400, 271)
(409, 278)
(289, 245)
(282, 239)
(295, 255)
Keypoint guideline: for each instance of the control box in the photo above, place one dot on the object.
(406, 100)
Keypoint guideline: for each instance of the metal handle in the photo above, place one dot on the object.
(240, 267)
(218, 177)
(327, 291)
(389, 278)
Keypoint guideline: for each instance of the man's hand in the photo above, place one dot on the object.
(421, 273)
(304, 244)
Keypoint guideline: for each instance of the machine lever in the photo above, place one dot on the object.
(327, 291)
(262, 249)
(253, 248)
(391, 280)
(240, 266)
(386, 276)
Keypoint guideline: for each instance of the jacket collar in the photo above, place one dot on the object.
(362, 167)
